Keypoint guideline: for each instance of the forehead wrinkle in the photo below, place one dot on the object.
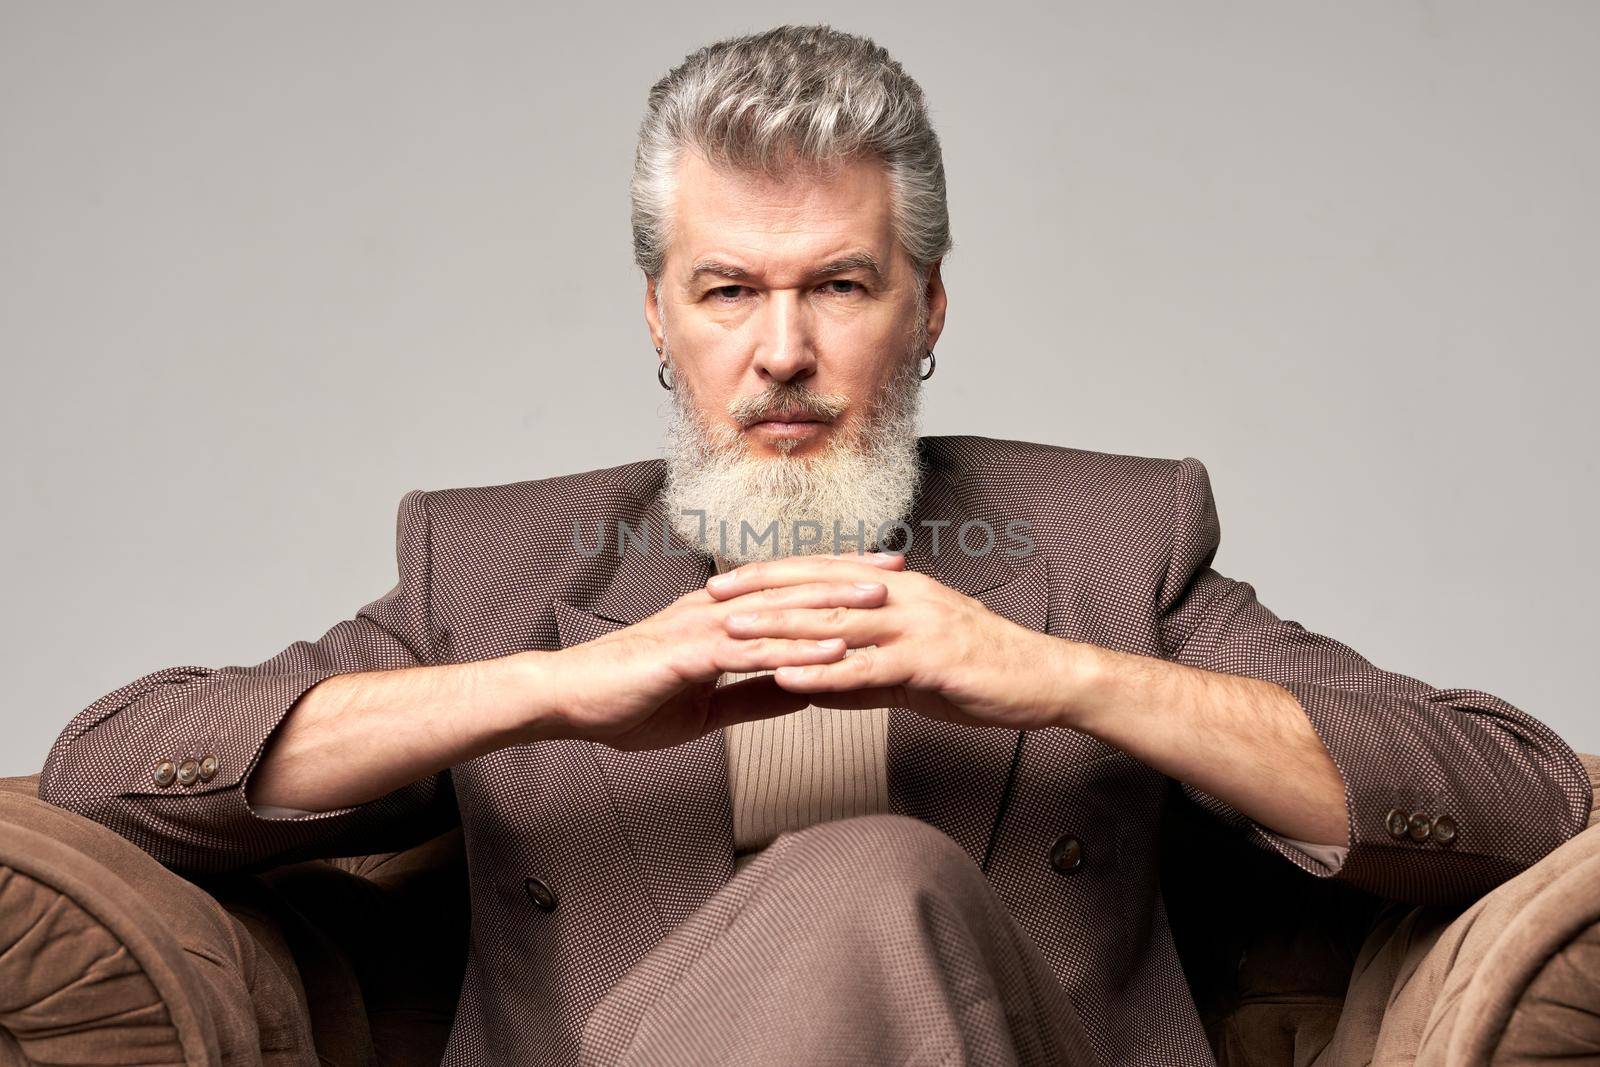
(859, 260)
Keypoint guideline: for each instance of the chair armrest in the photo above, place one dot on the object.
(109, 957)
(1513, 978)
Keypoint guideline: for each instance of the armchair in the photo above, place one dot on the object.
(107, 957)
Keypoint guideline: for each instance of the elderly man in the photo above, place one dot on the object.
(735, 790)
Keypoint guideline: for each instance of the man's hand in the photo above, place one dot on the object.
(654, 684)
(920, 644)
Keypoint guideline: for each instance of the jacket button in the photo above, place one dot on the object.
(208, 768)
(540, 894)
(1066, 855)
(1444, 830)
(188, 771)
(1397, 822)
(165, 772)
(1421, 826)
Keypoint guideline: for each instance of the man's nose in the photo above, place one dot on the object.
(784, 350)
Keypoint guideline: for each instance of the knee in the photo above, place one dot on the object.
(882, 853)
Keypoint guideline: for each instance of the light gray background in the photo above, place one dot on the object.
(264, 268)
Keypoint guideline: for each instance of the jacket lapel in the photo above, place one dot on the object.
(950, 774)
(672, 803)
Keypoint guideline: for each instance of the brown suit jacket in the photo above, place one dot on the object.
(632, 842)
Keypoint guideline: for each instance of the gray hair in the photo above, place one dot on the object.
(790, 96)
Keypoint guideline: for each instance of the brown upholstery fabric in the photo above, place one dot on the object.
(1557, 1018)
(79, 971)
(106, 957)
(1450, 986)
(1559, 1013)
(1285, 973)
(23, 786)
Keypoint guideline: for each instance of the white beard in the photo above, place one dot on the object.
(723, 500)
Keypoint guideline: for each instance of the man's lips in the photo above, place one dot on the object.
(786, 418)
(789, 425)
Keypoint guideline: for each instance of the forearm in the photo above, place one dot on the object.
(355, 737)
(1243, 740)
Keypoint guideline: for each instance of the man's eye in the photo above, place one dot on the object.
(853, 286)
(727, 292)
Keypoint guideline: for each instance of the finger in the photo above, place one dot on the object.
(768, 653)
(810, 595)
(867, 698)
(858, 626)
(797, 570)
(867, 669)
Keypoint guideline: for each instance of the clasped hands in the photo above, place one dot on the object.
(848, 631)
(899, 638)
(860, 631)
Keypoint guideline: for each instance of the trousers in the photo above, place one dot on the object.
(868, 940)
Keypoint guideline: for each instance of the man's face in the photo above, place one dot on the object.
(779, 297)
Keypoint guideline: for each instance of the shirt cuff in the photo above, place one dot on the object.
(1330, 856)
(273, 811)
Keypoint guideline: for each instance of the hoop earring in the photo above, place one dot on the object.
(932, 362)
(661, 374)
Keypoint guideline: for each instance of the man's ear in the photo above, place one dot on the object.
(652, 315)
(934, 292)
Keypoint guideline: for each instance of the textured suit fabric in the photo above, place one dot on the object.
(631, 843)
(869, 939)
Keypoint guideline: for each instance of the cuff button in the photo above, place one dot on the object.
(208, 768)
(1421, 826)
(1444, 830)
(164, 773)
(188, 771)
(1399, 825)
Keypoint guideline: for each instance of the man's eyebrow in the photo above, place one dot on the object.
(855, 261)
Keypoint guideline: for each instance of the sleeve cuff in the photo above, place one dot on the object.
(274, 811)
(1330, 857)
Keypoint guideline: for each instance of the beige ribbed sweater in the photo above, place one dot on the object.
(809, 766)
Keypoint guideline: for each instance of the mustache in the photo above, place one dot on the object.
(787, 398)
